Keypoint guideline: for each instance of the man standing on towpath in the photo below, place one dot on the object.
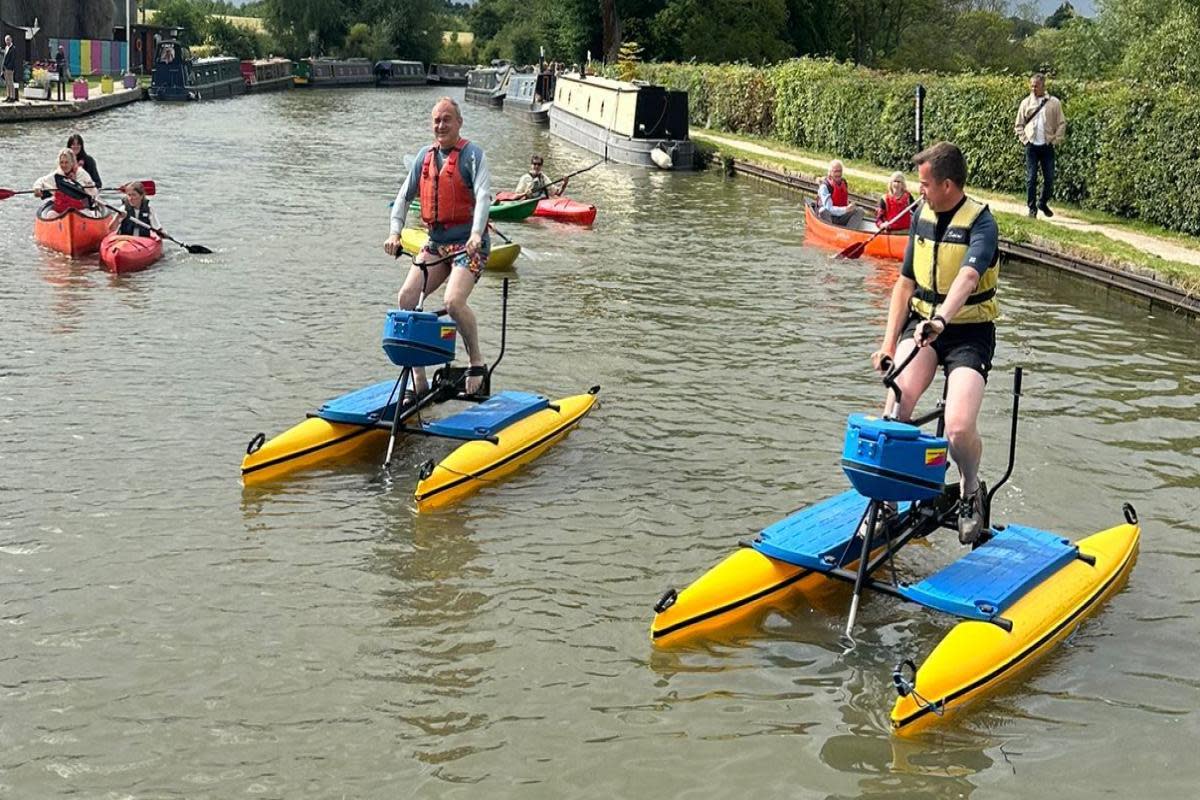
(944, 304)
(452, 179)
(1040, 126)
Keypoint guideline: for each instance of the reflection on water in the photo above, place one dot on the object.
(168, 632)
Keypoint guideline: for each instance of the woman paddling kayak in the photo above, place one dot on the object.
(68, 170)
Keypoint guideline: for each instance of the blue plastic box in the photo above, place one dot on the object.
(889, 460)
(418, 338)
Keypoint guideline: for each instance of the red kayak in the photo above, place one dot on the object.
(129, 253)
(559, 209)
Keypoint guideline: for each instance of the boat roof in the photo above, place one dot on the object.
(607, 83)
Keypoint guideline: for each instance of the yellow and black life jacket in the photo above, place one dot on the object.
(936, 265)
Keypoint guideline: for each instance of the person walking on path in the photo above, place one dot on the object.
(1040, 126)
(452, 179)
(10, 68)
(944, 305)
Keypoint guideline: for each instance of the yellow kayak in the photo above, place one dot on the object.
(477, 463)
(502, 256)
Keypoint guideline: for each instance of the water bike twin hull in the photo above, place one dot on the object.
(498, 433)
(1018, 592)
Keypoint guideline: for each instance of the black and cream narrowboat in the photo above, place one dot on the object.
(630, 123)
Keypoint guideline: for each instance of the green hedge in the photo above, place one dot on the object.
(1129, 150)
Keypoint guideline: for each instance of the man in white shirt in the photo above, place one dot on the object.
(1040, 126)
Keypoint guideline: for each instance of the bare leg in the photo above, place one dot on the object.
(964, 398)
(914, 380)
(407, 299)
(458, 289)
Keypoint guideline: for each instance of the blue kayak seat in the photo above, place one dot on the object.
(985, 582)
(364, 406)
(817, 536)
(487, 419)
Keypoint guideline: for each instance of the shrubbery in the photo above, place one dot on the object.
(1130, 150)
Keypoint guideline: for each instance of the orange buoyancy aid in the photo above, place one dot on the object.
(897, 208)
(839, 193)
(446, 200)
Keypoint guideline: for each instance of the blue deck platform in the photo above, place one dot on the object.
(988, 580)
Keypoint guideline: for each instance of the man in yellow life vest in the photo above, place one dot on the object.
(944, 303)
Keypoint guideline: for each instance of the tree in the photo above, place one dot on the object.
(309, 27)
(183, 14)
(719, 30)
(1061, 15)
(611, 26)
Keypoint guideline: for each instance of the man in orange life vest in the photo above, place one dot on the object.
(452, 179)
(833, 198)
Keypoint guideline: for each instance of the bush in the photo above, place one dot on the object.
(1130, 149)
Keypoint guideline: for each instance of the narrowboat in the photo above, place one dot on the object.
(630, 123)
(340, 72)
(177, 76)
(487, 85)
(301, 72)
(399, 73)
(529, 96)
(448, 74)
(267, 74)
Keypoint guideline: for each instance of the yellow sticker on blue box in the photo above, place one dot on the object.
(935, 456)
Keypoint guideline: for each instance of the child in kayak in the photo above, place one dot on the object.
(137, 207)
(73, 175)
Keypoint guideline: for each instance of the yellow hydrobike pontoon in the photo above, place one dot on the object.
(1018, 592)
(499, 433)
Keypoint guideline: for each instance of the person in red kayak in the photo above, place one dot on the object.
(833, 198)
(533, 183)
(75, 176)
(452, 179)
(894, 205)
(137, 207)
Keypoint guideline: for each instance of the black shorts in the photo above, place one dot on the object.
(969, 344)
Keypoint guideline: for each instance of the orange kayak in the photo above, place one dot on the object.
(75, 233)
(120, 253)
(838, 237)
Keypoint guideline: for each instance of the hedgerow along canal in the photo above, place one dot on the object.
(168, 633)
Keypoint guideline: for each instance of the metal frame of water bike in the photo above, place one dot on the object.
(446, 381)
(923, 516)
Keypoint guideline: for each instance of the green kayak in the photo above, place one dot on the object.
(512, 212)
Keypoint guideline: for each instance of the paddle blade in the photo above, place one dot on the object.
(197, 248)
(6, 193)
(147, 185)
(853, 251)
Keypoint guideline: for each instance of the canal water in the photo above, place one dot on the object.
(166, 633)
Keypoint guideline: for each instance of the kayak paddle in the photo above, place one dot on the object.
(573, 174)
(855, 250)
(147, 184)
(7, 193)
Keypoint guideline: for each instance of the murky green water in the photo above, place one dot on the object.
(165, 633)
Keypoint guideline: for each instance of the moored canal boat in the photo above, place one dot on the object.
(487, 85)
(630, 123)
(177, 76)
(529, 96)
(324, 72)
(399, 73)
(448, 74)
(267, 74)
